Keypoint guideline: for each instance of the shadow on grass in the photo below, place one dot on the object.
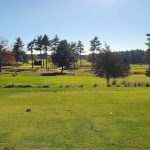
(53, 74)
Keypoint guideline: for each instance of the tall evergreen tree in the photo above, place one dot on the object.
(80, 48)
(46, 44)
(75, 53)
(39, 46)
(30, 47)
(95, 46)
(55, 43)
(148, 53)
(18, 47)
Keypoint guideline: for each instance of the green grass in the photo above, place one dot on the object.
(36, 79)
(138, 69)
(115, 118)
(92, 118)
(87, 80)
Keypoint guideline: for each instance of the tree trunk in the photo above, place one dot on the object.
(108, 83)
(62, 69)
(46, 59)
(93, 61)
(41, 58)
(80, 61)
(0, 65)
(32, 59)
(43, 63)
(74, 64)
(17, 56)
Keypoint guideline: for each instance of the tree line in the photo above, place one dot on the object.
(136, 56)
(64, 54)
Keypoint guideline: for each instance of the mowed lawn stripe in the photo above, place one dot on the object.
(107, 119)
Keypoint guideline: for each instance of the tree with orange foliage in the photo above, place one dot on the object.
(6, 57)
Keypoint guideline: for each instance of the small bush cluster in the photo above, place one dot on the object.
(61, 86)
(114, 82)
(95, 85)
(24, 85)
(81, 86)
(67, 86)
(52, 74)
(42, 86)
(11, 85)
(127, 83)
(14, 74)
(28, 110)
(64, 86)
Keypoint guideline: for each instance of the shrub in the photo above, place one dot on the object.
(45, 86)
(135, 84)
(125, 83)
(52, 74)
(82, 86)
(10, 85)
(147, 84)
(61, 86)
(114, 82)
(67, 86)
(95, 85)
(23, 86)
(28, 110)
(148, 72)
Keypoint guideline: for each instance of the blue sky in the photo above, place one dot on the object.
(121, 23)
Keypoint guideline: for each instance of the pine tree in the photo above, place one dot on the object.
(39, 47)
(80, 48)
(30, 47)
(46, 44)
(95, 47)
(18, 47)
(148, 53)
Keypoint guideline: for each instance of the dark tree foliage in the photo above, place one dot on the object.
(80, 49)
(39, 46)
(55, 43)
(148, 55)
(46, 44)
(111, 65)
(134, 56)
(30, 48)
(74, 51)
(18, 48)
(131, 56)
(43, 44)
(63, 56)
(23, 57)
(95, 47)
(148, 72)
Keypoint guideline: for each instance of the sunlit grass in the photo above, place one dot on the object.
(103, 118)
(70, 116)
(138, 69)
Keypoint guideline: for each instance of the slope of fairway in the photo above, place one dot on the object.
(92, 118)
